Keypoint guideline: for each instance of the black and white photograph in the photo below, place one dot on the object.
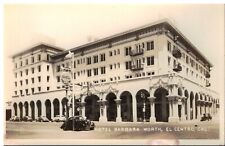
(111, 73)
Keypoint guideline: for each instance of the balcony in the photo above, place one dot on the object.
(176, 53)
(136, 67)
(136, 52)
(178, 68)
(207, 75)
(208, 84)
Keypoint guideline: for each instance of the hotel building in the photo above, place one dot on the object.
(151, 73)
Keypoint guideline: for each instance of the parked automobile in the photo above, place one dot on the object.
(79, 123)
(27, 119)
(59, 118)
(15, 118)
(42, 119)
(206, 117)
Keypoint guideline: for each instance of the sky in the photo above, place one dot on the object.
(68, 26)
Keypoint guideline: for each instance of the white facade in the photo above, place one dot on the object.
(152, 73)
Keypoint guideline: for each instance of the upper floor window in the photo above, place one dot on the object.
(58, 68)
(39, 78)
(21, 63)
(78, 61)
(32, 80)
(21, 73)
(48, 57)
(47, 67)
(26, 61)
(15, 65)
(26, 71)
(114, 52)
(26, 81)
(39, 68)
(39, 57)
(110, 53)
(58, 78)
(95, 59)
(150, 45)
(32, 70)
(88, 60)
(48, 77)
(187, 59)
(15, 84)
(169, 59)
(118, 51)
(127, 51)
(32, 59)
(15, 75)
(196, 66)
(169, 46)
(89, 72)
(102, 70)
(111, 66)
(32, 90)
(128, 65)
(95, 71)
(150, 60)
(39, 89)
(21, 83)
(74, 64)
(102, 57)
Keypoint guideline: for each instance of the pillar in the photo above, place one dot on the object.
(43, 110)
(175, 116)
(52, 110)
(13, 112)
(60, 109)
(24, 111)
(29, 110)
(183, 116)
(35, 111)
(103, 117)
(83, 109)
(152, 103)
(188, 108)
(134, 107)
(18, 111)
(194, 109)
(118, 105)
(198, 113)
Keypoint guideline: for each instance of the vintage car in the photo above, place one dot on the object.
(78, 123)
(59, 118)
(206, 117)
(27, 119)
(15, 118)
(42, 119)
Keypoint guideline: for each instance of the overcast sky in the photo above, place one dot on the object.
(68, 26)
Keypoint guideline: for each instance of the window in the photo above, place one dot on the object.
(48, 88)
(26, 90)
(102, 57)
(169, 59)
(169, 46)
(15, 75)
(26, 61)
(187, 60)
(118, 51)
(88, 60)
(115, 66)
(32, 69)
(26, 81)
(74, 64)
(110, 53)
(21, 83)
(187, 71)
(39, 89)
(39, 68)
(150, 60)
(96, 59)
(21, 73)
(196, 66)
(58, 68)
(127, 51)
(118, 64)
(150, 45)
(174, 63)
(32, 59)
(21, 63)
(89, 72)
(58, 78)
(26, 71)
(114, 52)
(74, 76)
(102, 70)
(15, 92)
(47, 67)
(48, 77)
(48, 57)
(32, 90)
(32, 80)
(21, 92)
(78, 61)
(15, 84)
(128, 65)
(39, 57)
(95, 71)
(111, 66)
(39, 78)
(15, 65)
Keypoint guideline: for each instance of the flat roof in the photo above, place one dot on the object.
(36, 47)
(162, 23)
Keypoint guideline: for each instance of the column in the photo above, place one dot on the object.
(29, 111)
(103, 117)
(118, 105)
(194, 109)
(199, 114)
(18, 111)
(188, 108)
(13, 111)
(43, 110)
(35, 111)
(170, 108)
(24, 111)
(152, 103)
(83, 109)
(134, 107)
(175, 116)
(183, 116)
(52, 110)
(60, 109)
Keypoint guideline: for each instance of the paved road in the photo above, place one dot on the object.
(185, 130)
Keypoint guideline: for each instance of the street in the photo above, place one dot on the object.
(112, 130)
